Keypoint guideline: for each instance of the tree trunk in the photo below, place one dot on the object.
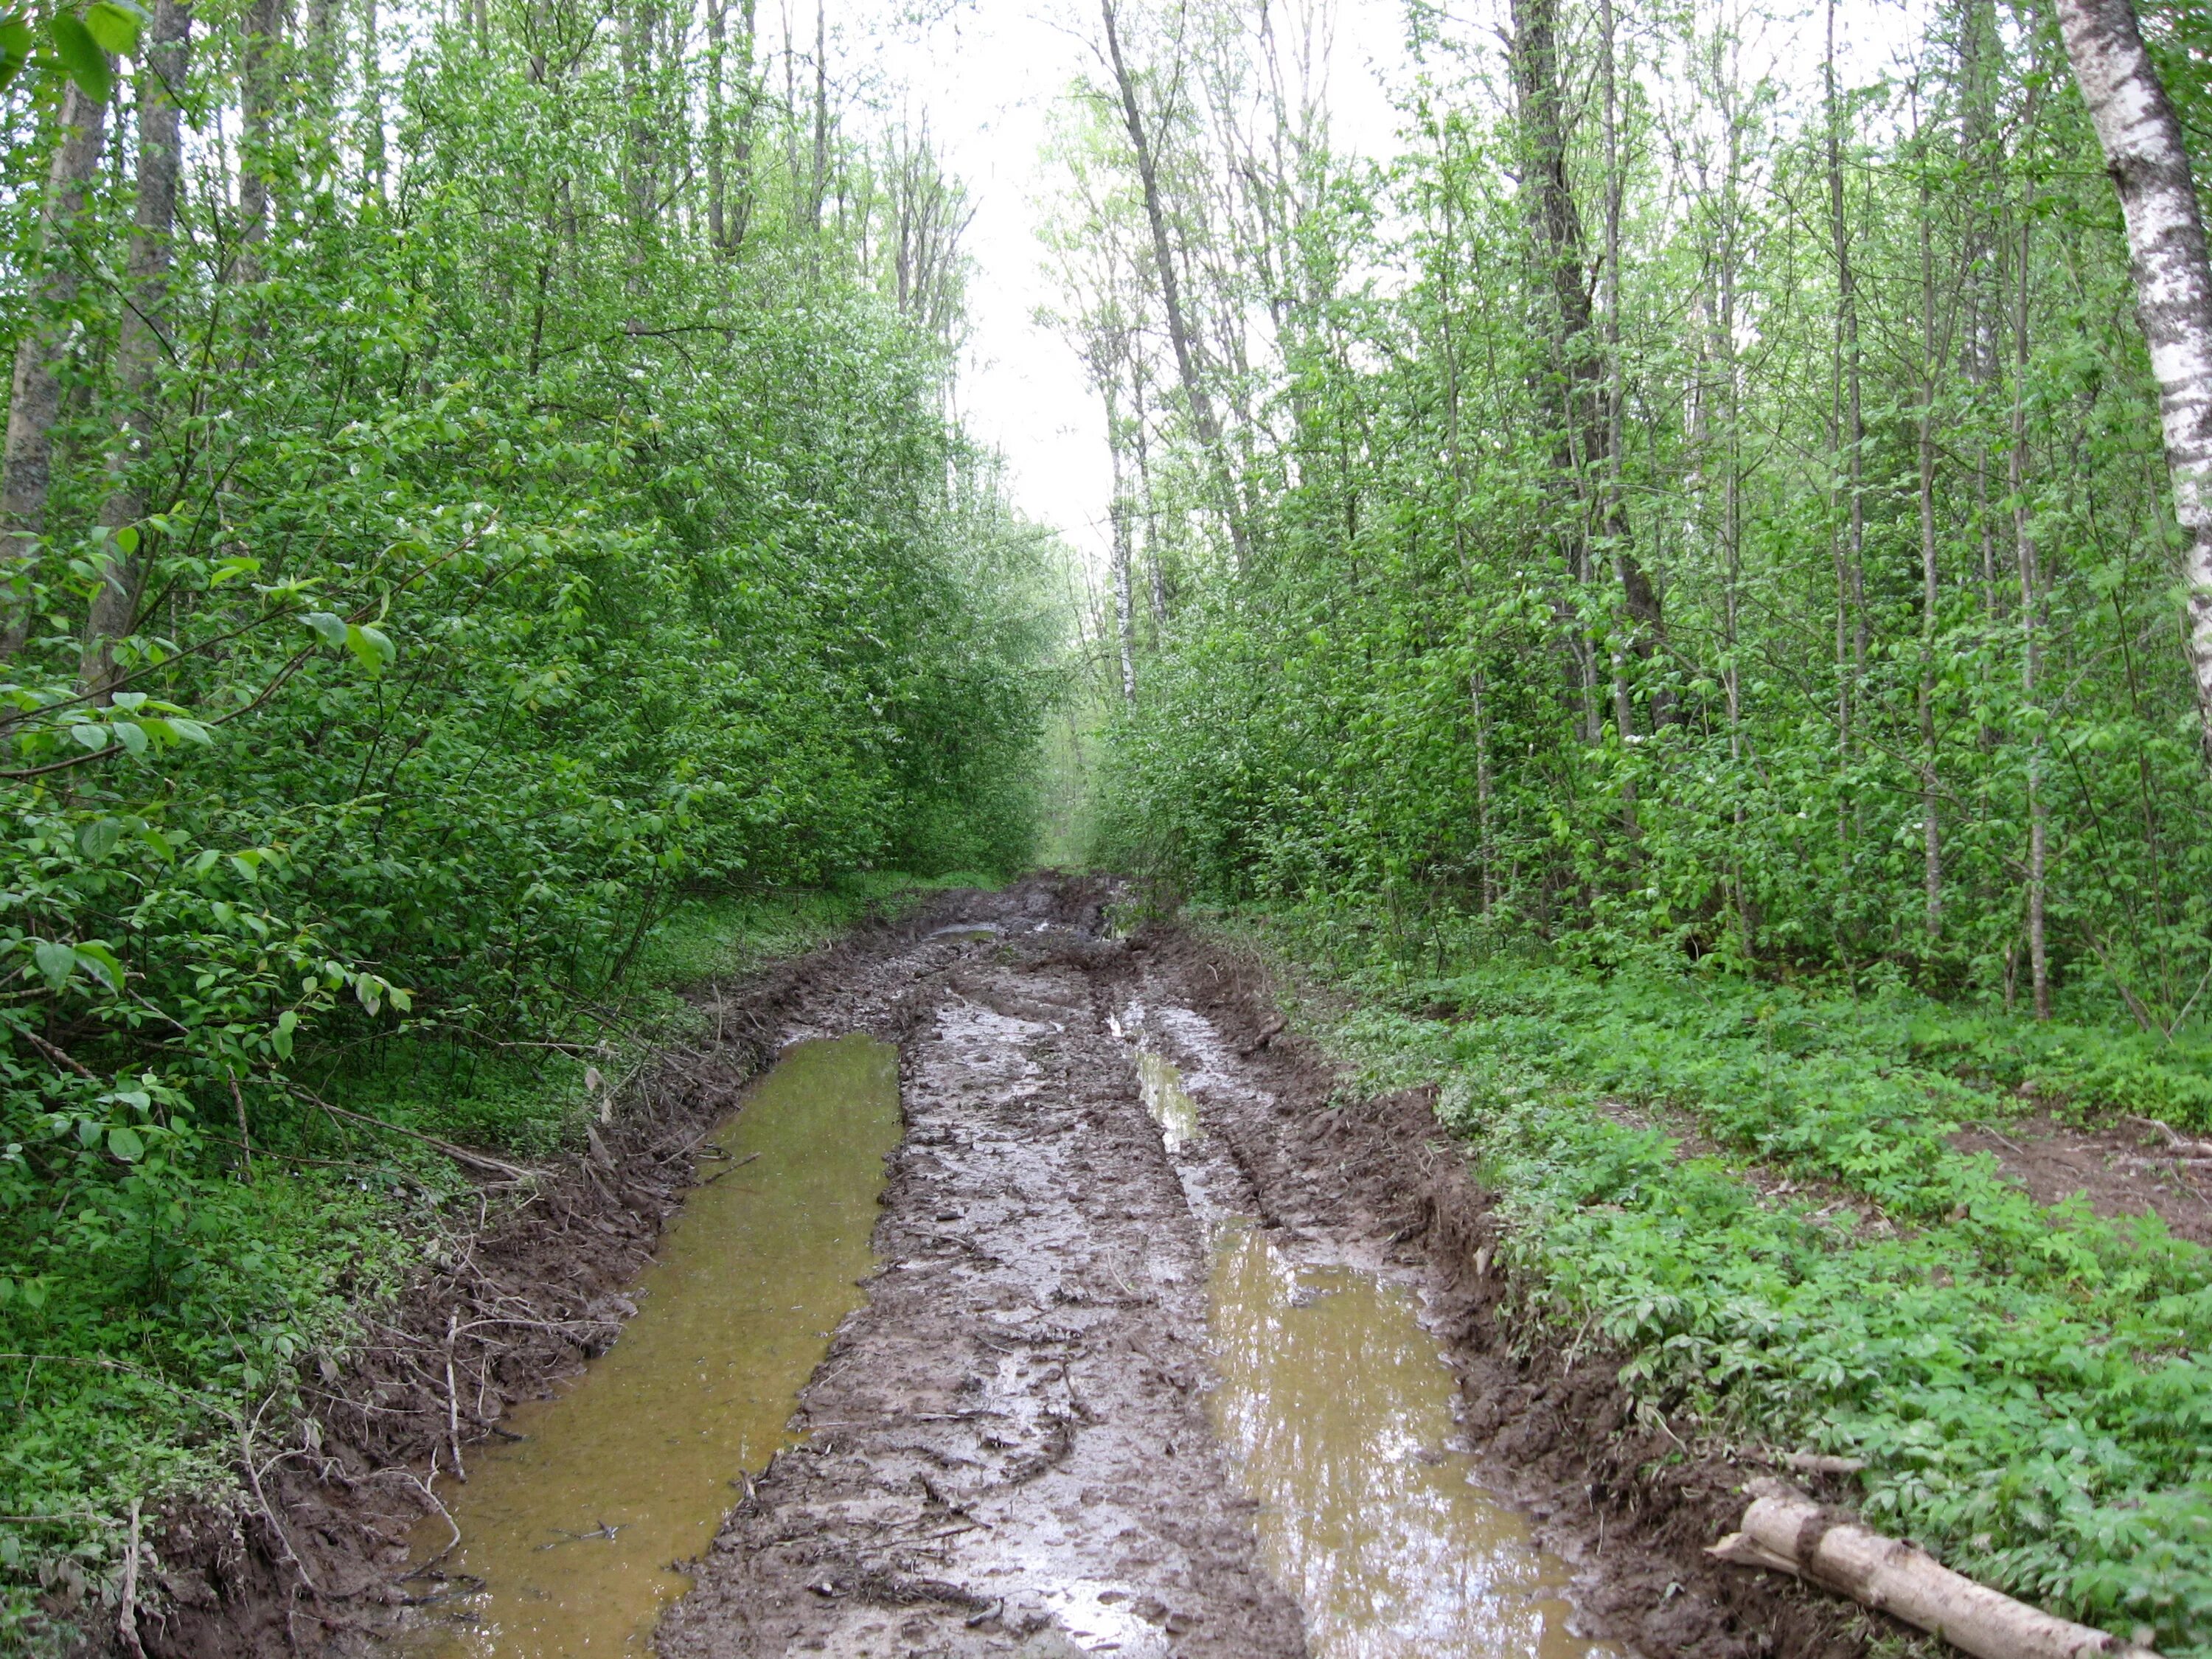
(2030, 647)
(34, 401)
(717, 226)
(372, 96)
(138, 348)
(1107, 364)
(1578, 394)
(1188, 365)
(263, 25)
(1847, 333)
(1930, 589)
(2143, 150)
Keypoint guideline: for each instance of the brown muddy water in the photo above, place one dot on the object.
(1337, 1411)
(1330, 1399)
(571, 1530)
(1338, 1414)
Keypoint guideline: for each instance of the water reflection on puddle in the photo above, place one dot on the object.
(1337, 1412)
(630, 1467)
(1167, 1100)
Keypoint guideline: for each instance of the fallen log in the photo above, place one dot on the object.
(1787, 1532)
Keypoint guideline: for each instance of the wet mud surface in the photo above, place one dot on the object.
(1029, 1440)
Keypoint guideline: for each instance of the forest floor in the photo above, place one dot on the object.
(1018, 1413)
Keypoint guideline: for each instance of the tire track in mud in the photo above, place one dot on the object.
(1007, 1448)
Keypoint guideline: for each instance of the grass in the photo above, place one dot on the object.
(1749, 1192)
(137, 1388)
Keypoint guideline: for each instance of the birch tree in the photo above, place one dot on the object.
(2141, 139)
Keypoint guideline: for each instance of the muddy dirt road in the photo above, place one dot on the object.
(1011, 1438)
(1173, 1345)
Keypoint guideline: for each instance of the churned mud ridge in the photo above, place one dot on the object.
(1008, 1443)
(312, 1557)
(1632, 1505)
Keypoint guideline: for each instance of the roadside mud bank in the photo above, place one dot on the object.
(1060, 1422)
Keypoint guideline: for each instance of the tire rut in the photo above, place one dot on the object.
(1006, 1450)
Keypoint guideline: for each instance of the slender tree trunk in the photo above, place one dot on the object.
(1156, 575)
(1930, 594)
(717, 226)
(35, 398)
(262, 27)
(1485, 789)
(139, 345)
(1188, 366)
(741, 158)
(1106, 364)
(2030, 645)
(817, 189)
(372, 96)
(1847, 329)
(1614, 517)
(2149, 164)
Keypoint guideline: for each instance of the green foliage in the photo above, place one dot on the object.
(1752, 1196)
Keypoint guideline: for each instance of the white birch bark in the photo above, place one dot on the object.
(2143, 150)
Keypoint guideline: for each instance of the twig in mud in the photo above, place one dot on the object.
(435, 1503)
(732, 1170)
(127, 1621)
(268, 1514)
(453, 1397)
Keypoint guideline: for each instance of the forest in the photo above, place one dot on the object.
(1668, 601)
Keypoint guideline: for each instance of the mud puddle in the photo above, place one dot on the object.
(567, 1534)
(1338, 1416)
(1336, 1409)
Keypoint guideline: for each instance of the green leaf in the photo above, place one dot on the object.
(127, 539)
(126, 1143)
(332, 629)
(190, 731)
(15, 43)
(97, 839)
(101, 961)
(81, 58)
(131, 736)
(370, 649)
(281, 1038)
(56, 961)
(116, 30)
(91, 735)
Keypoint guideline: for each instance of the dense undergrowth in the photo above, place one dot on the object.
(1749, 1195)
